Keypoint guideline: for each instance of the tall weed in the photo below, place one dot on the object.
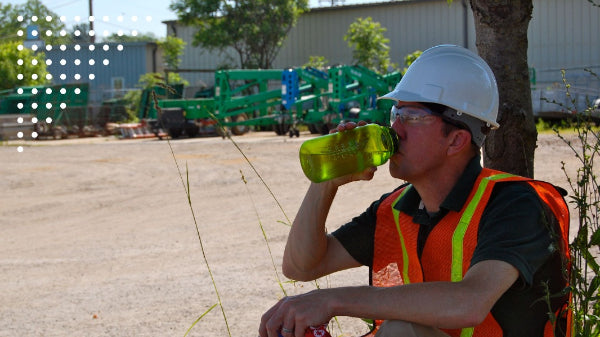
(186, 186)
(585, 197)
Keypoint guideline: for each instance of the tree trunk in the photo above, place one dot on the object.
(501, 30)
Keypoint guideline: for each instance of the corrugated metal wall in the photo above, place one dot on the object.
(102, 61)
(198, 64)
(562, 34)
(411, 25)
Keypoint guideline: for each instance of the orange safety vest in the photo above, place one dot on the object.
(450, 245)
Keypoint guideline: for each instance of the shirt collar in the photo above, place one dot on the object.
(455, 199)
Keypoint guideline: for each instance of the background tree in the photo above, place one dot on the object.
(122, 38)
(410, 58)
(370, 46)
(149, 81)
(21, 66)
(35, 13)
(317, 62)
(9, 24)
(80, 33)
(255, 29)
(172, 48)
(501, 39)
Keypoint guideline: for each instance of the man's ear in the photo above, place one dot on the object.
(459, 140)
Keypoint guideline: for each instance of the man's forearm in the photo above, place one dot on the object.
(307, 241)
(440, 304)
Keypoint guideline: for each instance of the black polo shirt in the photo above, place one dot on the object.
(516, 227)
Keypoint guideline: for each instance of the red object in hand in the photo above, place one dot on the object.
(320, 331)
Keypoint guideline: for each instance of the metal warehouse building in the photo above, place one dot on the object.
(563, 34)
(109, 68)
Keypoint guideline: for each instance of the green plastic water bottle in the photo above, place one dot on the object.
(351, 151)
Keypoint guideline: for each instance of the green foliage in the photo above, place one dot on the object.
(545, 125)
(370, 45)
(8, 23)
(317, 62)
(542, 125)
(585, 278)
(30, 11)
(226, 63)
(19, 62)
(132, 100)
(255, 29)
(80, 33)
(172, 48)
(410, 58)
(585, 196)
(122, 38)
(13, 29)
(150, 80)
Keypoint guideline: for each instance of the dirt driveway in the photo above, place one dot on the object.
(97, 237)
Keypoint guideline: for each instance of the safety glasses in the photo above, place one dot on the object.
(412, 114)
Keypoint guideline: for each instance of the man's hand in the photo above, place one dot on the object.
(347, 126)
(368, 173)
(295, 314)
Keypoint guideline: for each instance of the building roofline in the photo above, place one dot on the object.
(337, 7)
(370, 4)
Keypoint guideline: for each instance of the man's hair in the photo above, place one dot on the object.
(448, 127)
(455, 123)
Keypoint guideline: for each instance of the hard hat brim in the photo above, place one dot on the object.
(403, 96)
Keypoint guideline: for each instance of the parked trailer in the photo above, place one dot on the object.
(305, 92)
(278, 100)
(17, 126)
(351, 95)
(245, 98)
(16, 121)
(557, 104)
(58, 110)
(242, 98)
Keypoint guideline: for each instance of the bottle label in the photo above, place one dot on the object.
(340, 151)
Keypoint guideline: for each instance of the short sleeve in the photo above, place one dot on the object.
(358, 235)
(515, 229)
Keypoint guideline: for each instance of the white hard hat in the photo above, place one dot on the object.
(452, 76)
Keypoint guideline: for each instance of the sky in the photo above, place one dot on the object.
(128, 16)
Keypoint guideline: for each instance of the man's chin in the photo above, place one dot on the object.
(394, 171)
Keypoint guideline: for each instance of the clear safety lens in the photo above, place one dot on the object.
(411, 114)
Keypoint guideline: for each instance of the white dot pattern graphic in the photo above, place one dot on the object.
(92, 57)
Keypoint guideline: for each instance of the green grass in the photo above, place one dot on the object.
(564, 126)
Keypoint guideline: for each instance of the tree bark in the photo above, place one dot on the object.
(501, 30)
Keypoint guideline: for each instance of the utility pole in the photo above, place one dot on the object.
(93, 35)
